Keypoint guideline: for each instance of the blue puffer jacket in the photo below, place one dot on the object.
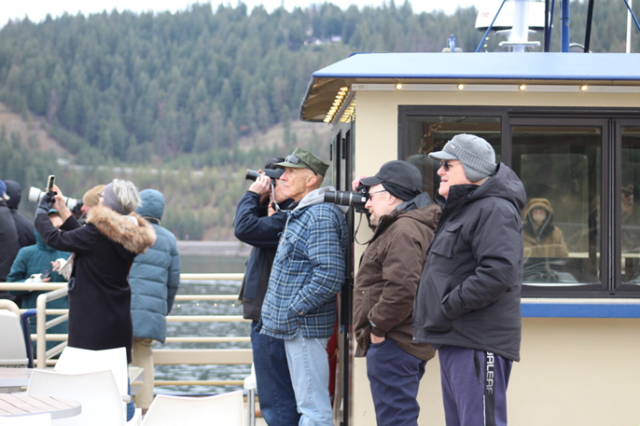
(154, 275)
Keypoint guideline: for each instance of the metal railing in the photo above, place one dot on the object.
(160, 356)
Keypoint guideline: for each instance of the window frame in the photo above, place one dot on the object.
(611, 121)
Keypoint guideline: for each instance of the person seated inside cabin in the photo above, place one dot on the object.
(543, 244)
(630, 221)
(541, 237)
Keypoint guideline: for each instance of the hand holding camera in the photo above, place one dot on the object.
(47, 199)
(45, 203)
(60, 203)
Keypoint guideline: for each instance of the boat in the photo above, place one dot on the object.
(569, 125)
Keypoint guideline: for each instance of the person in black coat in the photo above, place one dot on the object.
(103, 251)
(9, 244)
(468, 300)
(24, 226)
(258, 224)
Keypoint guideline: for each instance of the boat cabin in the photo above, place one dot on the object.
(569, 125)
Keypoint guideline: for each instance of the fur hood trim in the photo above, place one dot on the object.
(135, 237)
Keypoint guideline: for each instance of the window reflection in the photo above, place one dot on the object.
(560, 169)
(630, 212)
(430, 133)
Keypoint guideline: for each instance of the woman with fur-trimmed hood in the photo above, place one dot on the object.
(541, 237)
(103, 251)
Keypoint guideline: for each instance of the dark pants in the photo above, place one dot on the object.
(474, 386)
(394, 376)
(275, 391)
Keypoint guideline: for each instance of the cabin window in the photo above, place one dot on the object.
(630, 210)
(428, 134)
(581, 170)
(559, 166)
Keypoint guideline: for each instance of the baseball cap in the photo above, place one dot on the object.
(91, 197)
(303, 159)
(401, 178)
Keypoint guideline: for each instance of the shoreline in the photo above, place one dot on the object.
(213, 248)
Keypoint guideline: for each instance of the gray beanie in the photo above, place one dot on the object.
(111, 200)
(476, 155)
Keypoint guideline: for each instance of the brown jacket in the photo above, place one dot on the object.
(389, 274)
(545, 240)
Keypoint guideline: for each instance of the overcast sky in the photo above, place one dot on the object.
(37, 10)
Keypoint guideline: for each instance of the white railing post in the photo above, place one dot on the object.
(41, 323)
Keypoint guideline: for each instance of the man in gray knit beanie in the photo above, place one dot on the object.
(476, 155)
(468, 300)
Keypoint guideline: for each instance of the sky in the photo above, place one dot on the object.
(37, 10)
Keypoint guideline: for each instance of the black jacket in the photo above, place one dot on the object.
(253, 226)
(9, 244)
(469, 293)
(99, 292)
(24, 226)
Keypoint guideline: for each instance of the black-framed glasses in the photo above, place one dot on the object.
(369, 194)
(446, 165)
(295, 160)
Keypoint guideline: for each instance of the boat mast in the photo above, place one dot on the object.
(566, 31)
(630, 5)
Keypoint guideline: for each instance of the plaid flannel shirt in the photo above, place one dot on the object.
(308, 272)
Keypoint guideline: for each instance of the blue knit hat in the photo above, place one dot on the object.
(3, 191)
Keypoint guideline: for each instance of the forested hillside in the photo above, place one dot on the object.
(172, 94)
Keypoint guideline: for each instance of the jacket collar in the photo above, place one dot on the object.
(132, 231)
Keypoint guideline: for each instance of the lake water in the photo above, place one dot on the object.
(205, 264)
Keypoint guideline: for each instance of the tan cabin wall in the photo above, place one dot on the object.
(573, 371)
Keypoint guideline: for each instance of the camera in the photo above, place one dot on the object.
(35, 194)
(46, 274)
(344, 198)
(272, 173)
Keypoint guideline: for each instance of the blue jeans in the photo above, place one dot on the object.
(309, 368)
(131, 408)
(394, 376)
(275, 391)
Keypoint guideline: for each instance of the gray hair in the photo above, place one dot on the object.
(127, 194)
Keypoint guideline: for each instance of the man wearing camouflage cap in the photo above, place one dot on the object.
(307, 274)
(468, 300)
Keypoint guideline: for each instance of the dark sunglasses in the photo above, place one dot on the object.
(446, 165)
(295, 160)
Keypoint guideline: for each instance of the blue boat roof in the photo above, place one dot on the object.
(605, 68)
(538, 66)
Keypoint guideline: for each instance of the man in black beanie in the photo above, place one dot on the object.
(9, 245)
(24, 226)
(404, 218)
